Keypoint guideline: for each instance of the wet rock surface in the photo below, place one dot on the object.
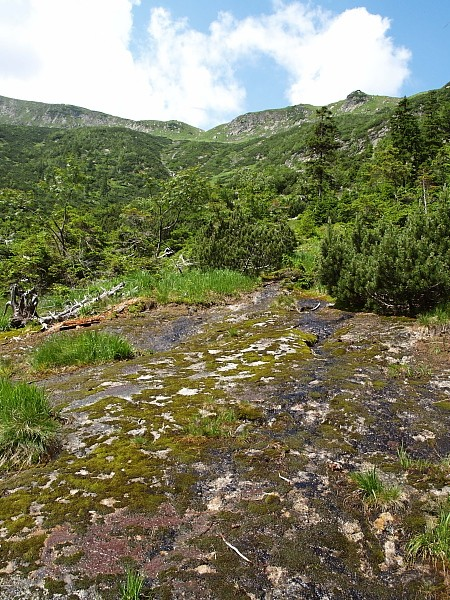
(217, 461)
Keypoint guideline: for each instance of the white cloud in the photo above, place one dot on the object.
(78, 52)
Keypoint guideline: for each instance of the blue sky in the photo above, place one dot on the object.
(207, 61)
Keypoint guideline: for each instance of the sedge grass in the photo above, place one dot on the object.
(200, 287)
(434, 543)
(132, 587)
(214, 425)
(5, 323)
(28, 427)
(168, 285)
(86, 348)
(373, 491)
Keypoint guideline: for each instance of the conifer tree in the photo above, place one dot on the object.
(405, 135)
(321, 149)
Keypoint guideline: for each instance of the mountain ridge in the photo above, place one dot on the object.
(67, 116)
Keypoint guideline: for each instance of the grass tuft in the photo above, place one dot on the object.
(373, 491)
(200, 287)
(434, 543)
(28, 428)
(4, 323)
(131, 589)
(218, 424)
(88, 347)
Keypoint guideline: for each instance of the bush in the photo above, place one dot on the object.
(88, 347)
(247, 246)
(28, 428)
(390, 268)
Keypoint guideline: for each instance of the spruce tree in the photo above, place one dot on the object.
(405, 135)
(321, 149)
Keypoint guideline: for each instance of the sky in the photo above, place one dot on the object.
(205, 62)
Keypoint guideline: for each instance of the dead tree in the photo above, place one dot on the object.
(23, 304)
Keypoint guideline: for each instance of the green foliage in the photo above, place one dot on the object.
(95, 202)
(405, 134)
(434, 543)
(200, 287)
(234, 242)
(4, 323)
(390, 268)
(132, 587)
(216, 424)
(373, 491)
(321, 152)
(28, 428)
(88, 347)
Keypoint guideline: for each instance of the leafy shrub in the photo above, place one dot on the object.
(88, 347)
(28, 428)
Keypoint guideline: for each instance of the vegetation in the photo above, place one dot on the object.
(96, 202)
(131, 589)
(214, 424)
(198, 287)
(434, 543)
(88, 347)
(373, 491)
(28, 425)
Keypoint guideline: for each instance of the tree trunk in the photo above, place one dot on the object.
(23, 304)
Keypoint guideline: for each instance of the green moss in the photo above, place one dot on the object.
(69, 559)
(26, 551)
(443, 405)
(17, 525)
(55, 586)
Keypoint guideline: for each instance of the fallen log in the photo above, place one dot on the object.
(70, 312)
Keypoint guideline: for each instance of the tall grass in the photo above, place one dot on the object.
(28, 428)
(132, 587)
(167, 285)
(437, 319)
(202, 287)
(434, 543)
(88, 347)
(4, 323)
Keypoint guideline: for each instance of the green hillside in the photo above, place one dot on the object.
(93, 195)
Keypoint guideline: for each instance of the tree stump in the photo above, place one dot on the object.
(23, 304)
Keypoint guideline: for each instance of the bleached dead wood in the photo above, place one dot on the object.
(73, 310)
(23, 303)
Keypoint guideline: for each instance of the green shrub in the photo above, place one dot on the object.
(390, 268)
(237, 243)
(88, 347)
(28, 428)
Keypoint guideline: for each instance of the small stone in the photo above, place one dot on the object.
(383, 521)
(204, 569)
